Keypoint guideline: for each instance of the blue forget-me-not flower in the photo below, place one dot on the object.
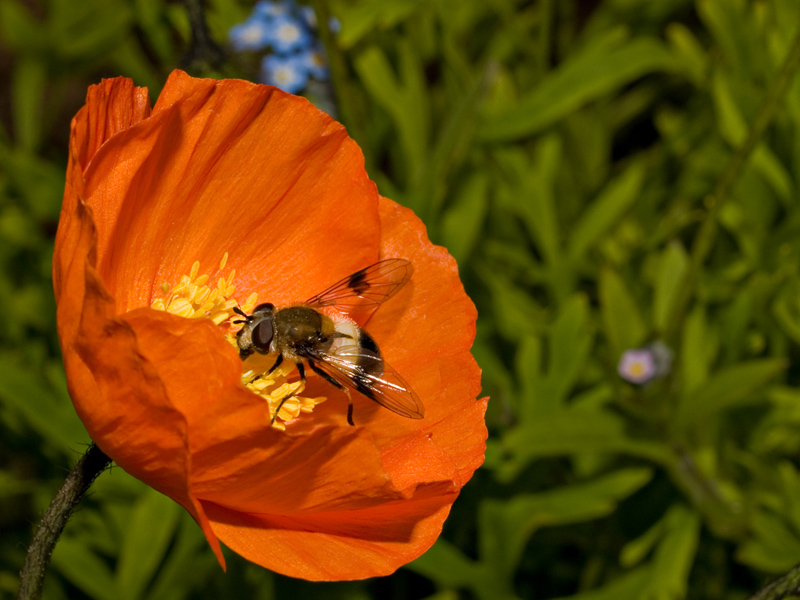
(285, 72)
(250, 35)
(288, 32)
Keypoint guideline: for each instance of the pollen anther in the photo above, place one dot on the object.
(192, 298)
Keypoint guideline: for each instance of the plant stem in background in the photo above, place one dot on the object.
(545, 40)
(342, 86)
(714, 202)
(204, 57)
(785, 587)
(78, 481)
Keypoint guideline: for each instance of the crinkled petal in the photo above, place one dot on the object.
(427, 330)
(122, 402)
(230, 166)
(337, 545)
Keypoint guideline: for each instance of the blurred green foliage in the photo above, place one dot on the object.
(564, 152)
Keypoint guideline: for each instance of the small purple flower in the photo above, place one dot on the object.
(642, 365)
(287, 34)
(253, 34)
(637, 366)
(285, 72)
(314, 62)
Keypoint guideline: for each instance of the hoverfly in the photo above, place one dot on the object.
(339, 351)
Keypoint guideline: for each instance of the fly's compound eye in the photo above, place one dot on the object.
(262, 336)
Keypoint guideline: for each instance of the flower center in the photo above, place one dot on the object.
(193, 298)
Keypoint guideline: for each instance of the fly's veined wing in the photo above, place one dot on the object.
(349, 365)
(367, 288)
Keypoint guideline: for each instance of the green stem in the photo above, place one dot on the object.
(204, 56)
(342, 86)
(714, 202)
(545, 39)
(785, 587)
(66, 499)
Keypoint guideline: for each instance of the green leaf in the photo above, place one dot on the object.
(463, 221)
(675, 554)
(506, 526)
(697, 349)
(606, 211)
(729, 387)
(512, 305)
(571, 432)
(152, 23)
(773, 547)
(28, 88)
(406, 101)
(629, 585)
(535, 198)
(41, 183)
(732, 124)
(45, 411)
(452, 145)
(84, 569)
(183, 561)
(18, 29)
(87, 30)
(569, 343)
(688, 52)
(150, 529)
(11, 485)
(447, 566)
(635, 551)
(599, 68)
(672, 270)
(733, 127)
(732, 29)
(366, 16)
(622, 321)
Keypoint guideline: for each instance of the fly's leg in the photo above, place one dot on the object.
(335, 383)
(300, 369)
(277, 364)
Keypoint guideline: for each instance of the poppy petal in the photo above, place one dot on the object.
(429, 460)
(427, 336)
(336, 545)
(229, 166)
(122, 402)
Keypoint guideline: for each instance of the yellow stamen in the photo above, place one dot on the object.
(192, 298)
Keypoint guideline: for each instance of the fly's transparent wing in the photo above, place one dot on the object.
(367, 288)
(368, 374)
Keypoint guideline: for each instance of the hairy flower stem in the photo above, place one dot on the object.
(704, 240)
(78, 481)
(787, 586)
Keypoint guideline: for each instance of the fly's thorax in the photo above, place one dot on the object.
(300, 328)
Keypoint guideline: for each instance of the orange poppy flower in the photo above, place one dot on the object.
(223, 195)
